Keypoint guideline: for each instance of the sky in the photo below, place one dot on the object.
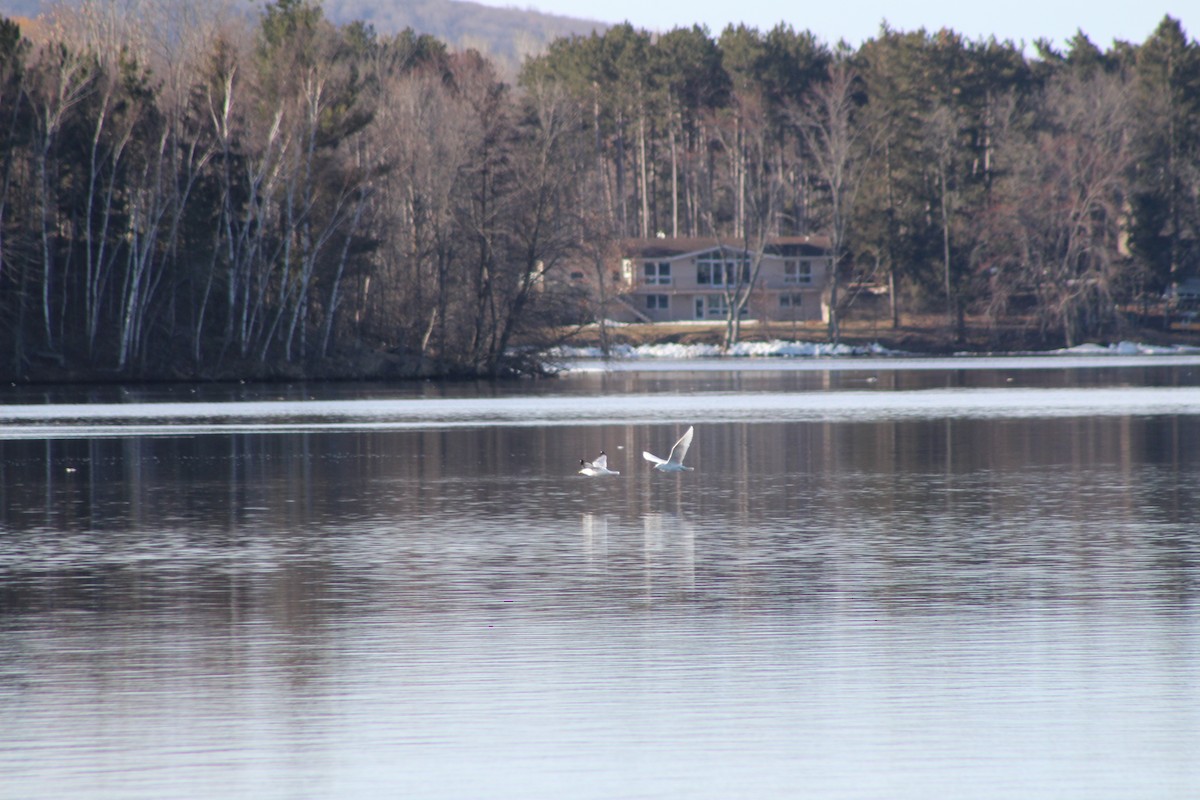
(857, 20)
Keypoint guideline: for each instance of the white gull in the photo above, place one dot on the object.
(597, 467)
(673, 462)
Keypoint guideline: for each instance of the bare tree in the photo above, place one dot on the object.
(837, 145)
(12, 102)
(250, 171)
(424, 136)
(941, 134)
(598, 239)
(98, 30)
(752, 191)
(60, 80)
(525, 216)
(180, 39)
(1063, 201)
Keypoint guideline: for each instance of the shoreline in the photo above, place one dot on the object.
(915, 338)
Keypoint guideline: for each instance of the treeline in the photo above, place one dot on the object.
(973, 179)
(193, 194)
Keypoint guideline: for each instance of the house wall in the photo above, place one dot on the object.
(803, 299)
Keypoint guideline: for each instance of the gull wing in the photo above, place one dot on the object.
(601, 461)
(653, 459)
(681, 447)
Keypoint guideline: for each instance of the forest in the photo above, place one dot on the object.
(196, 195)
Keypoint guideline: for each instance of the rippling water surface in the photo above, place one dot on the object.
(878, 582)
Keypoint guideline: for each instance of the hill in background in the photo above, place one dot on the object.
(506, 35)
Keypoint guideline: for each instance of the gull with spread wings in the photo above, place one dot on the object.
(597, 466)
(673, 462)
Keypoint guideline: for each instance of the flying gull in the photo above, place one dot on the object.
(597, 467)
(674, 462)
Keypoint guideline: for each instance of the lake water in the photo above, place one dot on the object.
(976, 578)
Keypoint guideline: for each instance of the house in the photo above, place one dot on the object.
(668, 279)
(1185, 295)
(1183, 304)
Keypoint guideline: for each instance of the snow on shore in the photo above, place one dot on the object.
(784, 349)
(775, 348)
(1128, 349)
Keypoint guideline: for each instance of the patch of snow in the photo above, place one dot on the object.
(1126, 349)
(778, 348)
(773, 349)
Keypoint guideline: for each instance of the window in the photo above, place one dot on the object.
(576, 275)
(715, 269)
(792, 300)
(797, 272)
(654, 302)
(657, 274)
(713, 306)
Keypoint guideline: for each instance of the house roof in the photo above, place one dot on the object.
(669, 247)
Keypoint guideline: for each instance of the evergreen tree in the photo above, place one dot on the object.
(1164, 227)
